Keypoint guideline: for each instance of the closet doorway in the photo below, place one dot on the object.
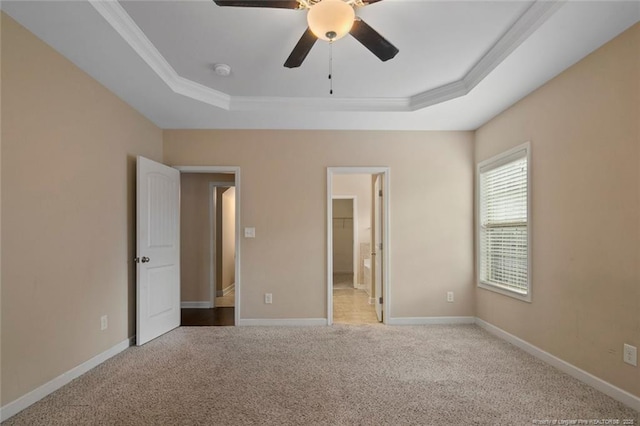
(345, 242)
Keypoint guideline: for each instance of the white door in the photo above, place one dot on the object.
(158, 250)
(377, 248)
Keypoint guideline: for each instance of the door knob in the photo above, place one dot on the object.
(145, 259)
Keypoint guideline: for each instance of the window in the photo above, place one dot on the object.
(504, 228)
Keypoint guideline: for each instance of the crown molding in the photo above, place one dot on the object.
(524, 26)
(246, 103)
(438, 95)
(528, 22)
(124, 25)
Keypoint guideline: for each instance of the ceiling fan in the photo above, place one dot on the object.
(329, 20)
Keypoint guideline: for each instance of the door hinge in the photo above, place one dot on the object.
(380, 300)
(136, 260)
(380, 246)
(380, 193)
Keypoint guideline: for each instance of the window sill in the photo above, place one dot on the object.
(505, 292)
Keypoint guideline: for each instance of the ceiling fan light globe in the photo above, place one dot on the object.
(330, 20)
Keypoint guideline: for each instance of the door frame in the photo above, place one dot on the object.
(386, 176)
(356, 236)
(235, 170)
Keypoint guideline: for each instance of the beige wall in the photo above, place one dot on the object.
(585, 145)
(360, 186)
(68, 200)
(431, 225)
(343, 236)
(195, 234)
(0, 211)
(228, 238)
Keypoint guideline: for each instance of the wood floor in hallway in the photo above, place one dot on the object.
(207, 317)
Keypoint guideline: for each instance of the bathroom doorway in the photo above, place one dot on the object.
(355, 204)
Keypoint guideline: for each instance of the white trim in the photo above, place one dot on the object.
(386, 173)
(205, 304)
(264, 103)
(284, 322)
(430, 320)
(208, 169)
(486, 165)
(236, 172)
(356, 236)
(229, 289)
(124, 25)
(526, 24)
(14, 407)
(575, 372)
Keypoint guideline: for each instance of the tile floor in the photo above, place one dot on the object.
(351, 306)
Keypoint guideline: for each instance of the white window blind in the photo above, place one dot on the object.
(503, 222)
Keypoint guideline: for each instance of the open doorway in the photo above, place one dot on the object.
(357, 234)
(208, 248)
(345, 241)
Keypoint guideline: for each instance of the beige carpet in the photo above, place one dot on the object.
(341, 375)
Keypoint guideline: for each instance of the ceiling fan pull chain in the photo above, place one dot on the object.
(331, 67)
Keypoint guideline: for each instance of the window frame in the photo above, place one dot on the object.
(496, 161)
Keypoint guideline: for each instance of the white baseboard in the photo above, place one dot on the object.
(372, 300)
(361, 287)
(585, 377)
(14, 407)
(283, 322)
(229, 289)
(195, 305)
(430, 320)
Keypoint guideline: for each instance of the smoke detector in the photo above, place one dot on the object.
(223, 70)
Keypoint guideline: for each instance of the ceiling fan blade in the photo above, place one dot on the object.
(301, 50)
(373, 41)
(279, 4)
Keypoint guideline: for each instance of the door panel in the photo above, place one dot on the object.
(158, 249)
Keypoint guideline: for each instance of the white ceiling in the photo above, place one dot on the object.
(460, 62)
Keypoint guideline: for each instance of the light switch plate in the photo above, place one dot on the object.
(249, 232)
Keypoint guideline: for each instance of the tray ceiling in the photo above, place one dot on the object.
(460, 62)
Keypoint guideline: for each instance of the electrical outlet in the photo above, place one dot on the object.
(630, 355)
(104, 322)
(450, 296)
(268, 298)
